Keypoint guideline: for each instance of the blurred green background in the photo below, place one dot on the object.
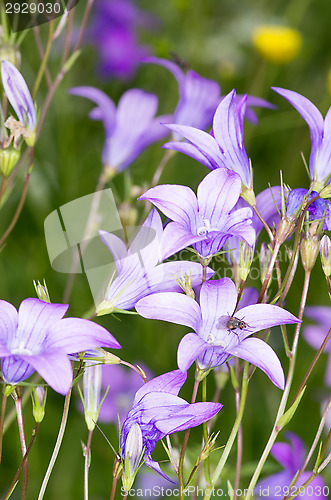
(215, 38)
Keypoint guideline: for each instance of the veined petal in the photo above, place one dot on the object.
(35, 319)
(190, 150)
(172, 307)
(313, 118)
(217, 298)
(170, 382)
(165, 277)
(147, 242)
(190, 348)
(8, 321)
(205, 143)
(189, 416)
(18, 94)
(323, 168)
(179, 203)
(217, 194)
(55, 368)
(260, 354)
(116, 247)
(175, 238)
(261, 316)
(76, 334)
(15, 369)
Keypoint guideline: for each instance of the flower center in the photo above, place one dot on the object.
(205, 228)
(21, 349)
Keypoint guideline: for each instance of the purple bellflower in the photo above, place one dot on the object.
(291, 457)
(157, 411)
(224, 146)
(217, 336)
(318, 210)
(20, 98)
(129, 128)
(207, 220)
(36, 338)
(140, 271)
(320, 129)
(114, 34)
(315, 334)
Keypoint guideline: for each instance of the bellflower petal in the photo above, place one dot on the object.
(260, 354)
(130, 128)
(18, 94)
(320, 154)
(176, 238)
(39, 339)
(189, 349)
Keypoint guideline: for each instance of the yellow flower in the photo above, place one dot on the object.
(277, 44)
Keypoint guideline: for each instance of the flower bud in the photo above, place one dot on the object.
(285, 228)
(38, 396)
(133, 452)
(41, 291)
(92, 379)
(309, 248)
(325, 252)
(246, 259)
(8, 159)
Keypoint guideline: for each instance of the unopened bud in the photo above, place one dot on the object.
(285, 228)
(133, 452)
(8, 159)
(309, 248)
(325, 252)
(38, 396)
(92, 379)
(246, 259)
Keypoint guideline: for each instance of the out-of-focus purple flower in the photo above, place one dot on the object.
(291, 457)
(207, 220)
(157, 411)
(216, 337)
(36, 338)
(139, 267)
(318, 210)
(18, 95)
(198, 96)
(122, 384)
(315, 334)
(114, 33)
(224, 146)
(320, 154)
(129, 128)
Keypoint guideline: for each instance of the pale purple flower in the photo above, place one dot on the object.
(315, 334)
(215, 340)
(157, 411)
(291, 457)
(114, 33)
(36, 338)
(18, 95)
(123, 384)
(139, 268)
(320, 130)
(207, 220)
(224, 146)
(129, 128)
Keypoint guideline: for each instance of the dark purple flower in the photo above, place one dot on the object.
(217, 335)
(207, 220)
(129, 128)
(224, 146)
(320, 155)
(157, 411)
(114, 33)
(291, 457)
(315, 334)
(140, 271)
(318, 210)
(36, 338)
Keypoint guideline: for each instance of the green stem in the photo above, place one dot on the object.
(2, 418)
(87, 452)
(281, 410)
(18, 405)
(234, 431)
(57, 445)
(44, 60)
(205, 431)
